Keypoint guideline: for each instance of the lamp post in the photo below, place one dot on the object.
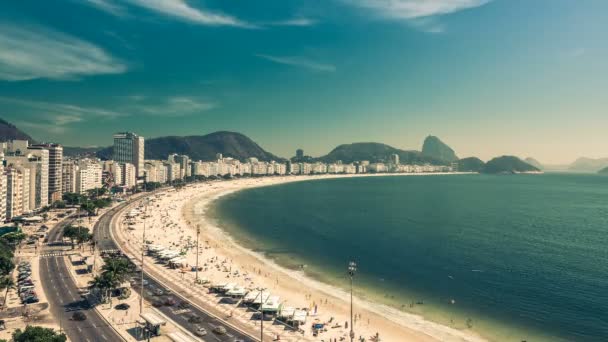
(143, 242)
(198, 232)
(352, 268)
(261, 289)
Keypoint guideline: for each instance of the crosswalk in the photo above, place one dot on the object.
(56, 253)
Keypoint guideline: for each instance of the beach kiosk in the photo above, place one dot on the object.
(299, 318)
(272, 305)
(152, 323)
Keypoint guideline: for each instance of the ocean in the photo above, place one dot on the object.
(512, 257)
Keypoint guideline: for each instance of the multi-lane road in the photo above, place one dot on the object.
(62, 293)
(181, 316)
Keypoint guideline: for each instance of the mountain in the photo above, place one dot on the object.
(70, 151)
(534, 163)
(8, 132)
(603, 171)
(588, 165)
(471, 164)
(374, 152)
(205, 147)
(508, 164)
(434, 148)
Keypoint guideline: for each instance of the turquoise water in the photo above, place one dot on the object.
(522, 256)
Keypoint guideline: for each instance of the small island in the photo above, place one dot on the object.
(508, 164)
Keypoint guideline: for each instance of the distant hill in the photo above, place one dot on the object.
(588, 165)
(603, 171)
(534, 163)
(434, 148)
(508, 164)
(202, 147)
(8, 132)
(471, 164)
(69, 151)
(374, 152)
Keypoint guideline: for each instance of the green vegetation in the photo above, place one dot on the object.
(508, 164)
(470, 164)
(115, 271)
(437, 149)
(38, 334)
(375, 152)
(76, 234)
(7, 247)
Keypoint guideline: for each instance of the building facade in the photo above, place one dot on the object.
(129, 148)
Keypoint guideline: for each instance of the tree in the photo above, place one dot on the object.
(77, 234)
(58, 205)
(38, 334)
(6, 283)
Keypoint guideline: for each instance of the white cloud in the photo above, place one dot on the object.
(298, 62)
(295, 22)
(51, 116)
(412, 9)
(171, 106)
(181, 10)
(36, 52)
(107, 6)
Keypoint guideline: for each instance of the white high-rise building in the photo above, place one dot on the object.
(89, 175)
(69, 174)
(55, 169)
(129, 148)
(3, 194)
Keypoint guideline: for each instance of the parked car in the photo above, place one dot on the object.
(170, 302)
(123, 306)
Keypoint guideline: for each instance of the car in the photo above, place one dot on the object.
(123, 306)
(220, 330)
(30, 300)
(157, 303)
(159, 292)
(195, 319)
(79, 316)
(170, 302)
(200, 331)
(183, 305)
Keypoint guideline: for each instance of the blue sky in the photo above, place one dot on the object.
(522, 77)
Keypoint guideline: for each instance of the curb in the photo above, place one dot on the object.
(168, 286)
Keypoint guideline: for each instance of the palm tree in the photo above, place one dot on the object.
(6, 283)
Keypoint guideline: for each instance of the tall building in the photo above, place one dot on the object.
(3, 195)
(395, 159)
(14, 192)
(36, 158)
(299, 153)
(55, 169)
(68, 176)
(88, 176)
(129, 148)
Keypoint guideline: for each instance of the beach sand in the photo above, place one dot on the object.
(173, 217)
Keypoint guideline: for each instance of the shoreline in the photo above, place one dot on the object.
(391, 323)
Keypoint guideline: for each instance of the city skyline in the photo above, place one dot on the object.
(488, 77)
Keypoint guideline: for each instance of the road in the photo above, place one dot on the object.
(62, 293)
(104, 242)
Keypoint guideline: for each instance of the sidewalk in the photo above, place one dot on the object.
(183, 283)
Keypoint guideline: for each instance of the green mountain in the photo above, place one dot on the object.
(471, 164)
(588, 165)
(534, 163)
(434, 148)
(8, 132)
(374, 152)
(508, 164)
(204, 147)
(603, 171)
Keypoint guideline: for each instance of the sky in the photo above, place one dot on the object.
(489, 77)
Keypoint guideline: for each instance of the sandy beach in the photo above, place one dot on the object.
(172, 220)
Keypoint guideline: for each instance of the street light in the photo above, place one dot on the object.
(261, 289)
(198, 232)
(143, 242)
(352, 268)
